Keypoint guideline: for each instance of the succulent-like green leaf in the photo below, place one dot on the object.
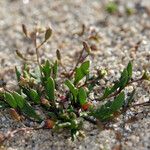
(124, 79)
(104, 112)
(55, 69)
(129, 69)
(34, 96)
(46, 69)
(29, 111)
(10, 100)
(82, 71)
(106, 93)
(50, 89)
(26, 74)
(82, 96)
(18, 74)
(117, 102)
(37, 74)
(19, 99)
(72, 89)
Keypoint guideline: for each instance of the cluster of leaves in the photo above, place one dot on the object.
(40, 88)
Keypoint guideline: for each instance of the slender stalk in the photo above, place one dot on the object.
(36, 50)
(10, 134)
(118, 92)
(39, 46)
(62, 65)
(142, 104)
(79, 59)
(90, 120)
(89, 82)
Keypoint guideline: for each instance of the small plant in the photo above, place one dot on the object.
(42, 88)
(129, 11)
(111, 7)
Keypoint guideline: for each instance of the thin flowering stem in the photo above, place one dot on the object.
(119, 91)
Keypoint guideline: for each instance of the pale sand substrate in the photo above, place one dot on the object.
(118, 38)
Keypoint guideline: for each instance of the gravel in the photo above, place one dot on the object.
(121, 38)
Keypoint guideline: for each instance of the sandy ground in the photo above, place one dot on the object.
(121, 38)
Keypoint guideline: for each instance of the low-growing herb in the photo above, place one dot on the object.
(64, 100)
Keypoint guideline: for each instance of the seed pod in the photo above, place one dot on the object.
(24, 29)
(48, 34)
(86, 47)
(33, 37)
(58, 54)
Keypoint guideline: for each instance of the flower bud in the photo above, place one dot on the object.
(45, 102)
(102, 73)
(23, 81)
